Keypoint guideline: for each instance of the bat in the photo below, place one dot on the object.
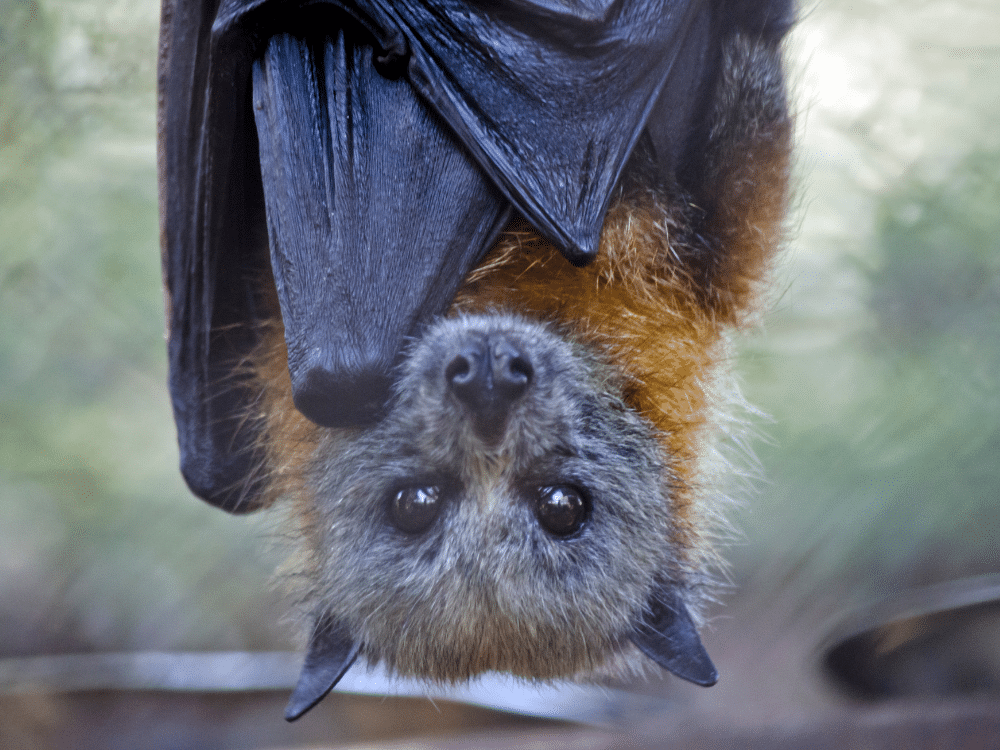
(453, 282)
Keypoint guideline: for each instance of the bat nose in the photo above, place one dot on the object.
(488, 375)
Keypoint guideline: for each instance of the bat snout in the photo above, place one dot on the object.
(488, 375)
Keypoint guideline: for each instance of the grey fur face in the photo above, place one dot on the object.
(510, 512)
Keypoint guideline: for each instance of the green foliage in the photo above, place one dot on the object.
(887, 472)
(935, 299)
(937, 292)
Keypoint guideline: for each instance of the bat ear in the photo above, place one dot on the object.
(331, 653)
(667, 635)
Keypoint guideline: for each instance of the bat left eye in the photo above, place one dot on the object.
(414, 509)
(561, 510)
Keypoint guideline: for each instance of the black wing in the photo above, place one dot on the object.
(367, 153)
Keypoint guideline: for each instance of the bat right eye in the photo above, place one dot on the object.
(562, 510)
(413, 509)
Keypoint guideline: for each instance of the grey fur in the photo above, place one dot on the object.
(486, 587)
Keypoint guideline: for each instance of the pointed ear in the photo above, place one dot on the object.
(331, 653)
(667, 635)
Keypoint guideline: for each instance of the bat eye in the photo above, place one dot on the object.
(561, 510)
(414, 509)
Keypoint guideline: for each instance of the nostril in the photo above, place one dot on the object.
(459, 370)
(512, 370)
(520, 370)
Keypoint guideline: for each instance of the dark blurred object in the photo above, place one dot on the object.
(938, 641)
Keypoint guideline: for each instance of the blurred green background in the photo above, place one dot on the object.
(101, 545)
(878, 364)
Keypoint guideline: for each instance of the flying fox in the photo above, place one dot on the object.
(453, 282)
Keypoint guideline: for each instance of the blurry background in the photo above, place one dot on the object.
(878, 367)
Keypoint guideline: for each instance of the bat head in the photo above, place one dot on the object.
(510, 513)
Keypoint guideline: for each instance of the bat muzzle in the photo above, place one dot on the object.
(488, 375)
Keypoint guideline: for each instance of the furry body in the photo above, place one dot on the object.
(635, 385)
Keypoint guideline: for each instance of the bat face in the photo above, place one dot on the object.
(510, 513)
